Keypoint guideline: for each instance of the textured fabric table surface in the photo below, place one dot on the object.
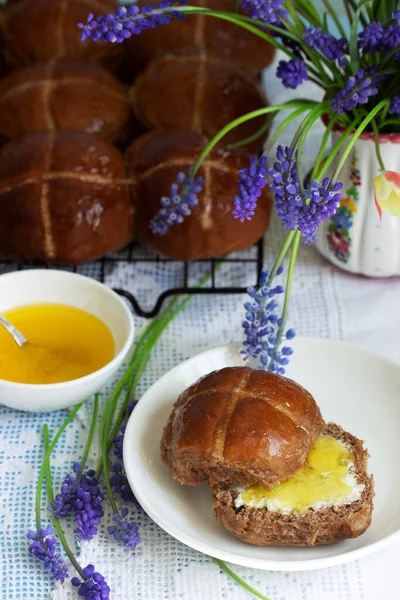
(325, 303)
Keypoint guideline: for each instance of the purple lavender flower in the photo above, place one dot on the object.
(333, 48)
(262, 325)
(292, 72)
(297, 210)
(87, 506)
(127, 21)
(43, 547)
(370, 38)
(391, 39)
(81, 498)
(322, 201)
(357, 90)
(119, 482)
(118, 440)
(183, 196)
(285, 187)
(313, 37)
(250, 185)
(118, 479)
(118, 443)
(124, 531)
(395, 106)
(268, 11)
(62, 504)
(93, 586)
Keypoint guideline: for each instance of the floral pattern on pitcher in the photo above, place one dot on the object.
(338, 234)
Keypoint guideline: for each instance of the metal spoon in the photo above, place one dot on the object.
(19, 337)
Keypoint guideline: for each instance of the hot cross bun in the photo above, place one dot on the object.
(154, 161)
(63, 198)
(240, 425)
(60, 95)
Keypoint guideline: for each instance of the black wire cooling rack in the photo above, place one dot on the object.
(134, 255)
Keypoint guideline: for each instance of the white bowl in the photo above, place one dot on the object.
(355, 388)
(62, 287)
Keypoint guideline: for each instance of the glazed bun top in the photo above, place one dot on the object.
(42, 30)
(240, 425)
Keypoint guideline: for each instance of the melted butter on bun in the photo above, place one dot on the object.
(327, 479)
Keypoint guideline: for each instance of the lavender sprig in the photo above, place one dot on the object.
(301, 210)
(118, 479)
(378, 37)
(123, 530)
(63, 503)
(262, 326)
(357, 90)
(394, 108)
(268, 11)
(43, 546)
(127, 21)
(250, 186)
(81, 497)
(88, 506)
(119, 482)
(293, 72)
(92, 586)
(182, 198)
(370, 38)
(391, 39)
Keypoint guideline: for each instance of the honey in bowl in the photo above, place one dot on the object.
(64, 343)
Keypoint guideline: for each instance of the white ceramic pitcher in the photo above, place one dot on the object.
(355, 239)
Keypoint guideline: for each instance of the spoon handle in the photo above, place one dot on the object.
(17, 335)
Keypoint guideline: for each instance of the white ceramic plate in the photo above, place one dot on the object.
(353, 387)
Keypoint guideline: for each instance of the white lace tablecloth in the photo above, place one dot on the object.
(325, 303)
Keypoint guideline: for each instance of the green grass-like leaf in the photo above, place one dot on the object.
(354, 55)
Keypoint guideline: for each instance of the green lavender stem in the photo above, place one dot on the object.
(315, 57)
(281, 256)
(106, 438)
(39, 487)
(304, 128)
(309, 11)
(236, 122)
(322, 147)
(389, 122)
(348, 11)
(332, 155)
(314, 114)
(255, 136)
(292, 264)
(377, 145)
(355, 137)
(239, 580)
(141, 361)
(162, 324)
(147, 341)
(90, 436)
(50, 497)
(283, 126)
(106, 420)
(333, 12)
(251, 25)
